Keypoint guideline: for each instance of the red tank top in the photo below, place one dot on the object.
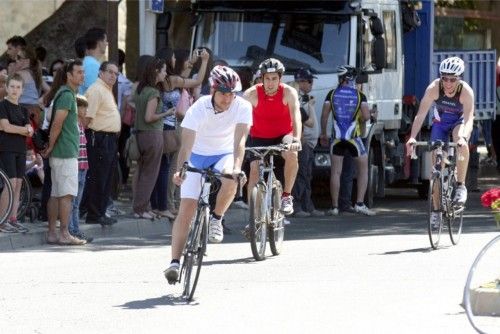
(271, 118)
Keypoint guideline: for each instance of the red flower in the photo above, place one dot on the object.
(490, 196)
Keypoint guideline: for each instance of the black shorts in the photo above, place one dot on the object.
(254, 142)
(13, 164)
(354, 146)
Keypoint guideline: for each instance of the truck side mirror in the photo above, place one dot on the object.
(378, 53)
(378, 44)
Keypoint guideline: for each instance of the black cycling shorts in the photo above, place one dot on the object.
(13, 164)
(254, 142)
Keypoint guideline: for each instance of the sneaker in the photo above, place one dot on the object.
(172, 273)
(240, 205)
(363, 209)
(460, 195)
(435, 220)
(302, 214)
(333, 212)
(348, 209)
(287, 204)
(286, 221)
(317, 213)
(7, 228)
(80, 235)
(215, 230)
(18, 226)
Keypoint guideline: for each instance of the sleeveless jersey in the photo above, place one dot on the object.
(448, 109)
(346, 103)
(271, 118)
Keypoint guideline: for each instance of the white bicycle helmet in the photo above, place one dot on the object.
(224, 79)
(271, 65)
(452, 66)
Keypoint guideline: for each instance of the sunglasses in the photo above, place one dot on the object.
(450, 79)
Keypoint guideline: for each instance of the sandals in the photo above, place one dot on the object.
(166, 214)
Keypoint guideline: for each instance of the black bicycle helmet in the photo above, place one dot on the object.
(346, 72)
(271, 65)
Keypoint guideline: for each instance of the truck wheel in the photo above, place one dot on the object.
(423, 189)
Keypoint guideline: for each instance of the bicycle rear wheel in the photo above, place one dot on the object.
(455, 216)
(257, 225)
(8, 196)
(435, 190)
(25, 197)
(193, 255)
(277, 226)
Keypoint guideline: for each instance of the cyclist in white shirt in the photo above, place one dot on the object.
(214, 132)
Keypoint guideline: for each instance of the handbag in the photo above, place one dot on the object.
(132, 148)
(171, 142)
(40, 138)
(128, 117)
(184, 103)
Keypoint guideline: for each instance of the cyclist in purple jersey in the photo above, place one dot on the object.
(453, 101)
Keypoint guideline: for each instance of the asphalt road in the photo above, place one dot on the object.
(347, 274)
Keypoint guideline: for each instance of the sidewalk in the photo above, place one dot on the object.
(127, 226)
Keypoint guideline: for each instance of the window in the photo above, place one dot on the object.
(389, 19)
(319, 42)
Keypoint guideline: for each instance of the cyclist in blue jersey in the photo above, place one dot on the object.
(453, 113)
(349, 109)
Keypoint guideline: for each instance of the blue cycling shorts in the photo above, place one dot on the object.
(443, 130)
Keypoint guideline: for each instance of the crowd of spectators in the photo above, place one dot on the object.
(90, 125)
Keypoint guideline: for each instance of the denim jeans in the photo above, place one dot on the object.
(74, 223)
(302, 187)
(159, 194)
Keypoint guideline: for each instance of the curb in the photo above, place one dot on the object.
(127, 226)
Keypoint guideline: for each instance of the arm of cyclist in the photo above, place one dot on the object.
(240, 136)
(187, 141)
(292, 100)
(467, 100)
(431, 94)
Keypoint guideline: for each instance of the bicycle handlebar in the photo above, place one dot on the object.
(262, 151)
(432, 145)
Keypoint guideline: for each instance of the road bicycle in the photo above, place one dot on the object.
(265, 204)
(482, 289)
(442, 188)
(196, 244)
(6, 190)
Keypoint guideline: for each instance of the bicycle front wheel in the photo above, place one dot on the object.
(7, 197)
(455, 216)
(257, 225)
(193, 255)
(434, 230)
(481, 291)
(277, 226)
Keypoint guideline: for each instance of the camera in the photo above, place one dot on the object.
(199, 52)
(305, 98)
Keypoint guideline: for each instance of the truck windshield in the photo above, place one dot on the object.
(315, 41)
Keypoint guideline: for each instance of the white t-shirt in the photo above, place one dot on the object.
(215, 132)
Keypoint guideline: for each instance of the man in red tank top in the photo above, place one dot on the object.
(276, 120)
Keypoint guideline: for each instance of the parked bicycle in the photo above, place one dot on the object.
(264, 205)
(8, 197)
(442, 187)
(196, 244)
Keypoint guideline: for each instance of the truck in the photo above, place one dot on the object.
(390, 42)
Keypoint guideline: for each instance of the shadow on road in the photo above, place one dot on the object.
(151, 303)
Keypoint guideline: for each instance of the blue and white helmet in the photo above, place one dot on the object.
(452, 66)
